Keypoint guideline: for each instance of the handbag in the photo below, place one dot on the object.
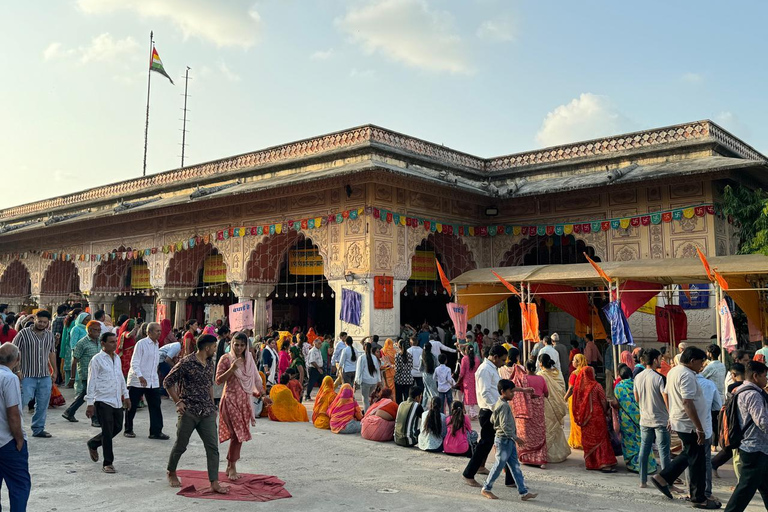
(614, 438)
(258, 405)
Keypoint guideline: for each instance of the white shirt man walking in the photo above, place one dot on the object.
(143, 380)
(106, 396)
(14, 469)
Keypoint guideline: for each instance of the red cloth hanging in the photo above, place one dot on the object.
(634, 294)
(575, 304)
(662, 325)
(675, 314)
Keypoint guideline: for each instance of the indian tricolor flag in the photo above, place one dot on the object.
(157, 65)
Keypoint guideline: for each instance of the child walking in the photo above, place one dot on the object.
(506, 436)
(445, 383)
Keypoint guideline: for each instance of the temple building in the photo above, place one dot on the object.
(342, 231)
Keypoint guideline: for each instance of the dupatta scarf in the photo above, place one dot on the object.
(323, 400)
(582, 397)
(343, 409)
(248, 376)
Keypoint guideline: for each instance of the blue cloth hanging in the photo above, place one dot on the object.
(620, 333)
(351, 305)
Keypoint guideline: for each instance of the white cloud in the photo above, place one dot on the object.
(733, 123)
(52, 51)
(230, 23)
(228, 73)
(104, 48)
(692, 77)
(362, 73)
(586, 117)
(499, 30)
(407, 31)
(322, 55)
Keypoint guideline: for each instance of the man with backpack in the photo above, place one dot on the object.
(750, 435)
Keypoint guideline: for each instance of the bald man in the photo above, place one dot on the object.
(143, 380)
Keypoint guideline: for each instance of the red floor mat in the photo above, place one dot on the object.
(195, 484)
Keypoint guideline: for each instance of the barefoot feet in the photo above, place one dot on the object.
(173, 480)
(489, 495)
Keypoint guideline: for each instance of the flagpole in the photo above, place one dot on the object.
(149, 82)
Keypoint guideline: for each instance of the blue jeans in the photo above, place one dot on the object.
(506, 455)
(15, 471)
(38, 388)
(647, 437)
(447, 400)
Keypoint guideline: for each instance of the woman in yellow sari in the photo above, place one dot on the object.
(579, 363)
(388, 364)
(323, 400)
(555, 409)
(284, 406)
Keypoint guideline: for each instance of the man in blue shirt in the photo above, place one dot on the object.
(14, 469)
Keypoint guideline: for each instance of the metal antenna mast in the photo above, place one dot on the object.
(184, 125)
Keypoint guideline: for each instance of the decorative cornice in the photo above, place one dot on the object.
(369, 135)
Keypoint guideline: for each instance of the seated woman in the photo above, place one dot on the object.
(432, 426)
(344, 412)
(458, 432)
(323, 400)
(284, 406)
(379, 421)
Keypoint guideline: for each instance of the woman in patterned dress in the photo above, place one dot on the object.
(237, 371)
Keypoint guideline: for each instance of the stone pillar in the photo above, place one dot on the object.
(257, 292)
(177, 296)
(384, 322)
(107, 304)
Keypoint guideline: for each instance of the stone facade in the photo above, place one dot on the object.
(366, 168)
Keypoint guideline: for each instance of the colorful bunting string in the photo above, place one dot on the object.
(399, 219)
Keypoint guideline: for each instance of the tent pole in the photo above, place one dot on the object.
(617, 350)
(671, 321)
(523, 322)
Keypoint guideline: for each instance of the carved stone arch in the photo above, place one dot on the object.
(110, 274)
(15, 280)
(264, 261)
(183, 267)
(60, 278)
(455, 252)
(517, 253)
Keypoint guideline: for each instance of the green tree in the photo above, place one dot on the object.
(749, 210)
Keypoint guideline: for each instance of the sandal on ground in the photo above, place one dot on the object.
(94, 454)
(664, 489)
(708, 505)
(129, 434)
(108, 469)
(608, 470)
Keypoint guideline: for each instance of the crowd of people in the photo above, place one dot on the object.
(421, 390)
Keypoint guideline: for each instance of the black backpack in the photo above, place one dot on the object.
(731, 431)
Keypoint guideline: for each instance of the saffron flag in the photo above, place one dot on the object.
(720, 280)
(505, 283)
(443, 278)
(599, 270)
(157, 65)
(705, 263)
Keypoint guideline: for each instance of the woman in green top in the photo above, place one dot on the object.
(67, 345)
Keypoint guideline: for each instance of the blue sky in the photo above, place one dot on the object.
(488, 77)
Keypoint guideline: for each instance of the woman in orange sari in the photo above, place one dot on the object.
(388, 364)
(345, 413)
(590, 410)
(323, 400)
(284, 406)
(574, 437)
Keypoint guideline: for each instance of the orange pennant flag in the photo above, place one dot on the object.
(599, 270)
(505, 283)
(687, 290)
(705, 263)
(443, 278)
(720, 280)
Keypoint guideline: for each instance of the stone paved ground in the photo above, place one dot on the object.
(323, 471)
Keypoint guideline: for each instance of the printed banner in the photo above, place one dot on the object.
(423, 266)
(383, 292)
(649, 308)
(727, 331)
(458, 314)
(140, 277)
(214, 269)
(241, 316)
(699, 297)
(305, 262)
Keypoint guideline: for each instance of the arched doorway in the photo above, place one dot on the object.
(423, 298)
(15, 283)
(123, 280)
(61, 280)
(301, 296)
(201, 270)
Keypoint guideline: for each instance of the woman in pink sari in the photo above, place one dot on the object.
(528, 410)
(283, 358)
(237, 371)
(378, 424)
(469, 365)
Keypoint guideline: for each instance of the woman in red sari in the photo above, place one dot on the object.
(590, 410)
(528, 410)
(126, 340)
